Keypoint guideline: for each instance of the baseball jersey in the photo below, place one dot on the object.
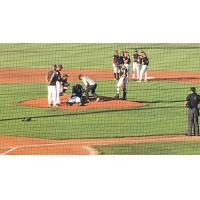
(135, 57)
(193, 100)
(88, 81)
(58, 74)
(126, 59)
(120, 60)
(145, 61)
(115, 59)
(77, 90)
(123, 72)
(51, 76)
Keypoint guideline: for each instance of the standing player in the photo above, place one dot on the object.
(144, 68)
(58, 84)
(122, 83)
(64, 84)
(90, 86)
(126, 61)
(192, 102)
(115, 60)
(136, 65)
(51, 79)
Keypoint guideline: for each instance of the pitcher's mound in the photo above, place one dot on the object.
(103, 103)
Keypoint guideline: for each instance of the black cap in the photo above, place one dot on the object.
(193, 89)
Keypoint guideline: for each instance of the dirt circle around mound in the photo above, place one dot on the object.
(109, 104)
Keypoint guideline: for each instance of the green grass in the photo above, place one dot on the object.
(95, 55)
(158, 148)
(163, 113)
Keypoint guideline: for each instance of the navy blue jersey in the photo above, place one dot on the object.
(77, 90)
(193, 100)
(120, 60)
(145, 61)
(135, 57)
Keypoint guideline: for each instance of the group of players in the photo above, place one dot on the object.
(121, 68)
(58, 84)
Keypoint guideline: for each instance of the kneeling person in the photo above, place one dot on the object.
(77, 95)
(90, 86)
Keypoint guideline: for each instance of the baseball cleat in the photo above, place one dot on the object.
(69, 104)
(116, 96)
(97, 99)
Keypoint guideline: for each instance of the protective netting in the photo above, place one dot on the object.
(97, 98)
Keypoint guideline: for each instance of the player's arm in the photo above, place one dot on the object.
(187, 101)
(52, 76)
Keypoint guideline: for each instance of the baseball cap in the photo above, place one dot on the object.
(193, 89)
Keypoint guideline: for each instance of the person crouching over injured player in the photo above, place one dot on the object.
(77, 96)
(90, 86)
(122, 83)
(64, 84)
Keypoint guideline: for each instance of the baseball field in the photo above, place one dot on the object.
(152, 120)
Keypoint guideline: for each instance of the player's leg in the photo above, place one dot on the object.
(87, 90)
(61, 90)
(196, 123)
(145, 72)
(58, 93)
(128, 70)
(50, 102)
(138, 69)
(93, 90)
(134, 70)
(115, 71)
(142, 72)
(125, 88)
(119, 85)
(53, 93)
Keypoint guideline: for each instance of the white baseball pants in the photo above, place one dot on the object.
(143, 72)
(52, 95)
(136, 70)
(58, 90)
(75, 99)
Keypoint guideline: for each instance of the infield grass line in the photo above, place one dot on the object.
(88, 144)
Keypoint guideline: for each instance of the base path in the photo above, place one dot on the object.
(10, 145)
(38, 75)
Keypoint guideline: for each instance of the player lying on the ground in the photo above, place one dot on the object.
(90, 86)
(77, 96)
(64, 84)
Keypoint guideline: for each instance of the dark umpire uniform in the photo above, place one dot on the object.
(192, 101)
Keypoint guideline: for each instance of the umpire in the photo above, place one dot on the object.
(192, 101)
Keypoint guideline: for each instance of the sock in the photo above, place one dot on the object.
(124, 93)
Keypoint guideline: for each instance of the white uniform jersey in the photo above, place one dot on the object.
(88, 81)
